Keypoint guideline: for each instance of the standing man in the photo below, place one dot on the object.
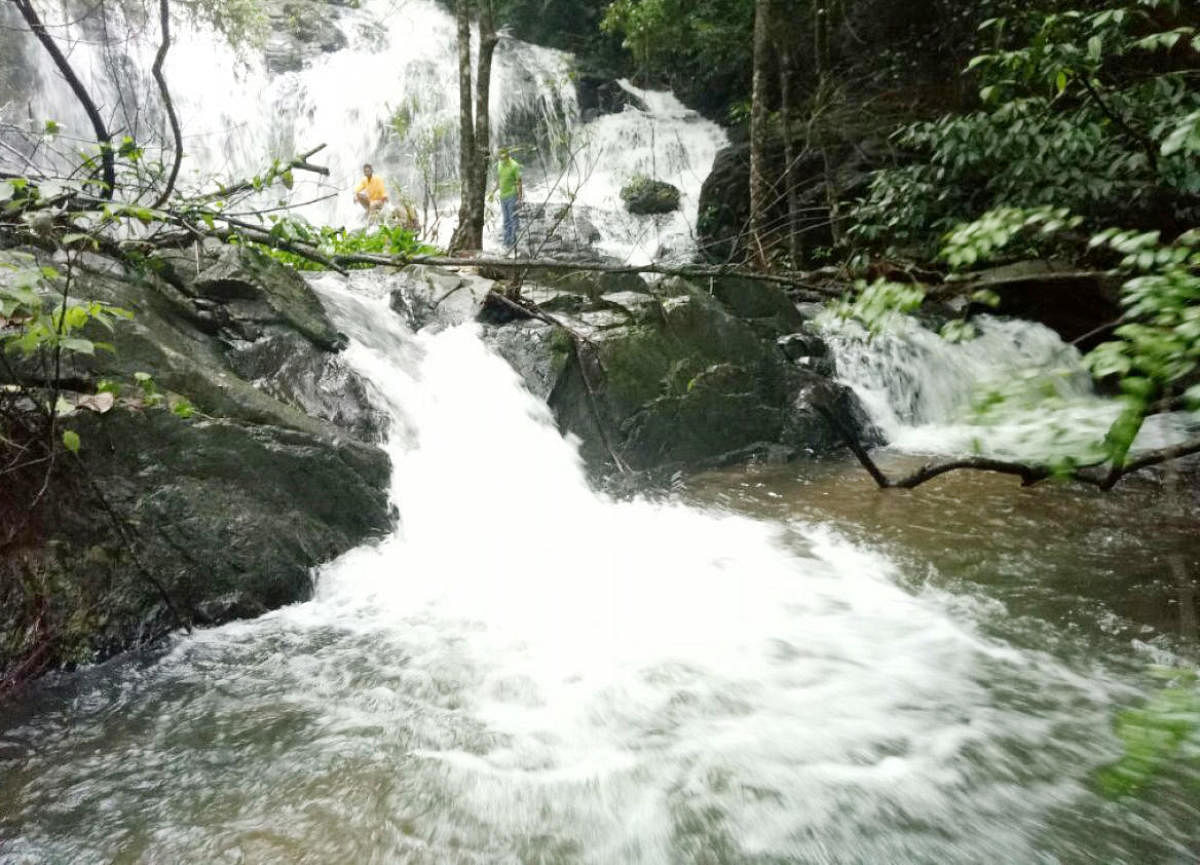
(508, 181)
(371, 194)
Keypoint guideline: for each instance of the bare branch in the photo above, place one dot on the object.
(103, 136)
(156, 69)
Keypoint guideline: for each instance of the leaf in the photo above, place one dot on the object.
(70, 440)
(51, 128)
(77, 344)
(81, 238)
(142, 377)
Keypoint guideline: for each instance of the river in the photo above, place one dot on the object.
(770, 665)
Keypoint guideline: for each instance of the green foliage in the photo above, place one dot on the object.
(40, 319)
(1157, 350)
(878, 304)
(981, 240)
(335, 242)
(243, 23)
(1091, 112)
(1162, 734)
(700, 45)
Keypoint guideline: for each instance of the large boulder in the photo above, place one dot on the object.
(211, 489)
(724, 206)
(670, 375)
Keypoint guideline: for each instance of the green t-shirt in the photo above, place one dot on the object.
(508, 173)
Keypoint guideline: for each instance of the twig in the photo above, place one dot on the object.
(156, 69)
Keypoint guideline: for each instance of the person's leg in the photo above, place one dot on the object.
(508, 208)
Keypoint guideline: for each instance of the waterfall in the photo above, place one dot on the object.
(389, 96)
(1016, 390)
(527, 670)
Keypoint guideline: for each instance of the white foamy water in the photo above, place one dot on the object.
(528, 671)
(1016, 390)
(389, 97)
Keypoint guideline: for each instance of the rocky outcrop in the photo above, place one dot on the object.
(657, 377)
(301, 29)
(217, 509)
(724, 206)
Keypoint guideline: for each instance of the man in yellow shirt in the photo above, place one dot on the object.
(371, 194)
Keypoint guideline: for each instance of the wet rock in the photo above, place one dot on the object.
(1072, 303)
(300, 30)
(293, 371)
(436, 297)
(599, 96)
(223, 509)
(668, 377)
(228, 510)
(644, 195)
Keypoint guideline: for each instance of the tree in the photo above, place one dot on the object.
(760, 185)
(474, 126)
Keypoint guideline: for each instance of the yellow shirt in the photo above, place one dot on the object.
(374, 186)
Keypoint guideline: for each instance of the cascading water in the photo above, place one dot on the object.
(1015, 390)
(527, 671)
(389, 97)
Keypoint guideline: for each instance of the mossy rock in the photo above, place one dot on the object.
(644, 195)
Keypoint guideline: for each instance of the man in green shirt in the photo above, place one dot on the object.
(508, 180)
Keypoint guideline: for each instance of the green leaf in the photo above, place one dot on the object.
(82, 346)
(70, 440)
(80, 238)
(51, 128)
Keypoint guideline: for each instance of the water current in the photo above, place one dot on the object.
(771, 666)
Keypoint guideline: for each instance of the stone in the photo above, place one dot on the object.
(644, 195)
(436, 297)
(229, 510)
(670, 378)
(600, 96)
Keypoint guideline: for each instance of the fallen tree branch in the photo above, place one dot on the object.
(299, 163)
(1029, 473)
(517, 265)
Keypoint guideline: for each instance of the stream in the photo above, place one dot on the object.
(771, 665)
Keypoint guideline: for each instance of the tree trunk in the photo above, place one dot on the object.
(789, 149)
(463, 238)
(759, 186)
(477, 191)
(823, 99)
